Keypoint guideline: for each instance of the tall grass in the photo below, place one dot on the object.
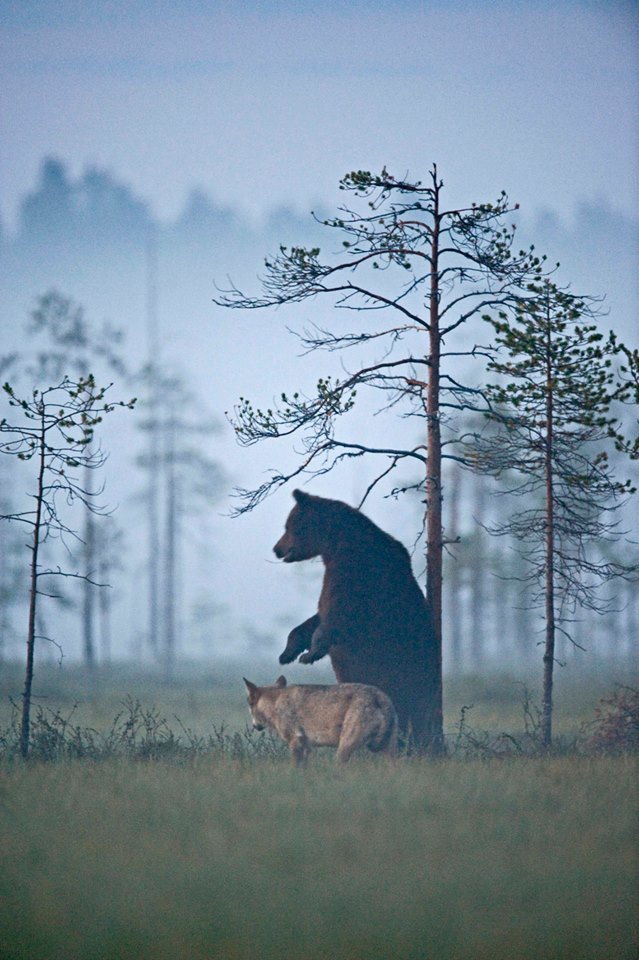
(150, 838)
(213, 696)
(251, 859)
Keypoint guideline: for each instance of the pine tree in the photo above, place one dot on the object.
(56, 440)
(554, 406)
(412, 272)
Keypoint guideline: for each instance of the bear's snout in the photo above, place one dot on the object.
(282, 550)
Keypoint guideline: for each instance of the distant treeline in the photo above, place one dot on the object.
(97, 208)
(598, 249)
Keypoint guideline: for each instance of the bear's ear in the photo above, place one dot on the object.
(280, 682)
(301, 497)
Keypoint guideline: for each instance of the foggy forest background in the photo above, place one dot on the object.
(87, 237)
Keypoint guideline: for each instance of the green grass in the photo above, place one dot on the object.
(235, 859)
(204, 698)
(200, 698)
(210, 845)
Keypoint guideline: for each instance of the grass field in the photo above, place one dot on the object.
(214, 853)
(212, 696)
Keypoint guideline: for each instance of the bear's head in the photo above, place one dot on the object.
(305, 529)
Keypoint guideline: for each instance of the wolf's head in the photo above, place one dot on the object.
(258, 704)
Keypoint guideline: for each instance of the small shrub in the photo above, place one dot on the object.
(615, 728)
(471, 744)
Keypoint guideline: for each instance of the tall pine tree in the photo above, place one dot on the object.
(554, 405)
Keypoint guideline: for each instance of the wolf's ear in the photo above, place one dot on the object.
(249, 686)
(280, 682)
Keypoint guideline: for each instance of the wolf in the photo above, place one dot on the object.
(344, 715)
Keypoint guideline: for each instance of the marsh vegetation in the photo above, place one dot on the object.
(174, 832)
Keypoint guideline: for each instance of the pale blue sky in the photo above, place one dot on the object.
(270, 103)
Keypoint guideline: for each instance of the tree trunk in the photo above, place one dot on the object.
(104, 606)
(154, 536)
(33, 600)
(477, 574)
(434, 556)
(549, 587)
(170, 553)
(153, 346)
(88, 588)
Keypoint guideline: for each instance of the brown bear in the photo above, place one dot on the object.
(373, 619)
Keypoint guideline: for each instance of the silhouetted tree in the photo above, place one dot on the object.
(553, 408)
(50, 210)
(201, 220)
(65, 343)
(453, 264)
(110, 212)
(185, 479)
(57, 438)
(11, 568)
(109, 559)
(94, 208)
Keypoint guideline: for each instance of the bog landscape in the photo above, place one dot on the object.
(319, 448)
(178, 831)
(142, 815)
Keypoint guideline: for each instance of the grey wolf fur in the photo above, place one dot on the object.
(345, 715)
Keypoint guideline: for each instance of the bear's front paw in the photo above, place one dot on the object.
(287, 656)
(311, 656)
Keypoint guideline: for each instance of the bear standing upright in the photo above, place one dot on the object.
(373, 619)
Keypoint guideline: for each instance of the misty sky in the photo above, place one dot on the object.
(270, 103)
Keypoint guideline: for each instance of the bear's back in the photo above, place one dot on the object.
(369, 580)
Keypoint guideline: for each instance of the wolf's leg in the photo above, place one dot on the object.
(299, 639)
(298, 745)
(352, 737)
(390, 747)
